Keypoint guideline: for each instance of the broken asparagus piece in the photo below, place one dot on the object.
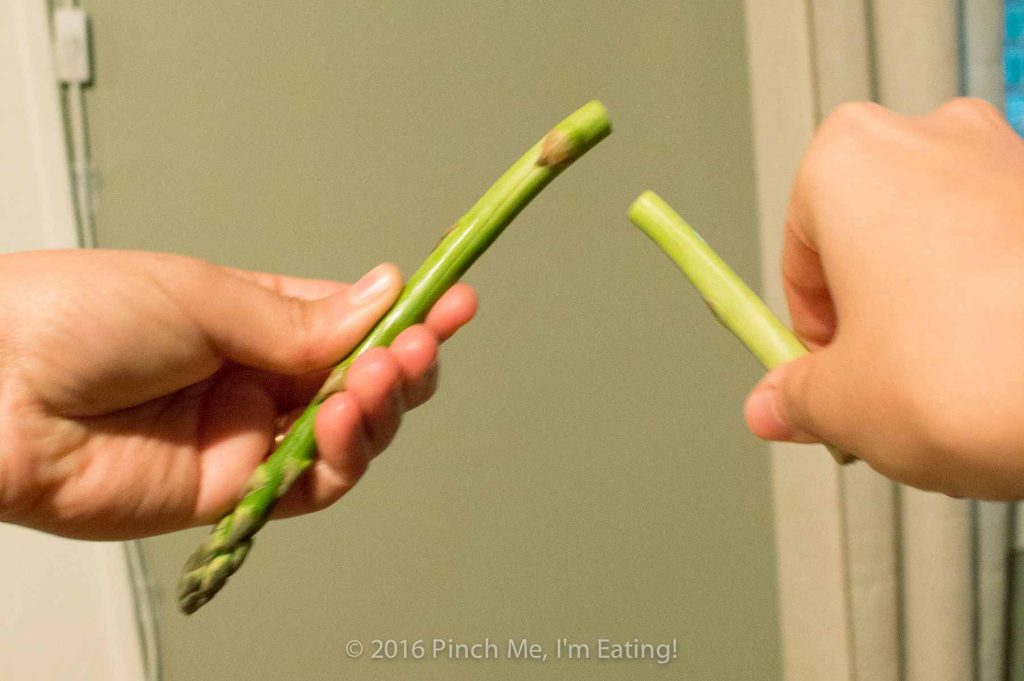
(733, 303)
(223, 551)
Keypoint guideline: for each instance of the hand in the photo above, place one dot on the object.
(904, 271)
(138, 391)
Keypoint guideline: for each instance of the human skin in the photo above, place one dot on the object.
(139, 390)
(903, 268)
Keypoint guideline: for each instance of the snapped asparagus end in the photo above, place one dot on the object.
(646, 202)
(733, 303)
(575, 135)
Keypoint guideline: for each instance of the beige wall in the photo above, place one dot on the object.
(584, 472)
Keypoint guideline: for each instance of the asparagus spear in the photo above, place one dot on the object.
(732, 302)
(222, 553)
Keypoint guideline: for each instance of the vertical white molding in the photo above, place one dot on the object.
(806, 482)
(844, 74)
(842, 52)
(918, 69)
(35, 189)
(917, 53)
(983, 37)
(67, 606)
(68, 611)
(871, 536)
(992, 546)
(937, 588)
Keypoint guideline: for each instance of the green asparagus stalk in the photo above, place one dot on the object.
(223, 551)
(732, 302)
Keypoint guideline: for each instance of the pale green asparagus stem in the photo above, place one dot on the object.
(733, 303)
(225, 548)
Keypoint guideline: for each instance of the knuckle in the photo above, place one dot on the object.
(852, 120)
(421, 344)
(382, 432)
(423, 388)
(852, 115)
(842, 140)
(176, 260)
(198, 274)
(379, 364)
(301, 349)
(341, 483)
(428, 392)
(971, 108)
(795, 392)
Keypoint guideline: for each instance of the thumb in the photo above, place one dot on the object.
(800, 401)
(256, 326)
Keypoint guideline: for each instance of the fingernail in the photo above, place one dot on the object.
(764, 405)
(374, 283)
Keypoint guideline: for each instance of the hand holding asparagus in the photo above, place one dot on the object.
(731, 301)
(229, 542)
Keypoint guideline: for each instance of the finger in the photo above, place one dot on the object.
(455, 308)
(343, 454)
(820, 200)
(962, 110)
(287, 391)
(811, 308)
(236, 432)
(293, 287)
(415, 351)
(807, 400)
(375, 381)
(762, 412)
(252, 325)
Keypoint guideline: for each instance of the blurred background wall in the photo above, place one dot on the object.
(584, 471)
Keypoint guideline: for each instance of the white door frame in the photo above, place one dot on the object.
(806, 489)
(876, 582)
(68, 606)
